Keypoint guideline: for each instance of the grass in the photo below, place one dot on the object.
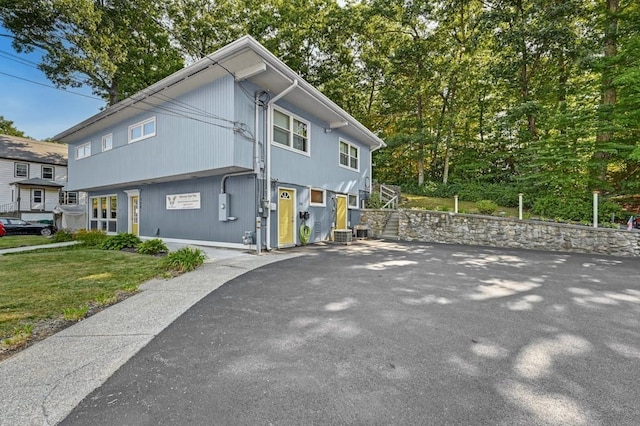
(13, 241)
(62, 282)
(447, 204)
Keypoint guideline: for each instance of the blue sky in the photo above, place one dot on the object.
(40, 112)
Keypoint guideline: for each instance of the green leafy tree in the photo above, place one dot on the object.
(116, 47)
(7, 128)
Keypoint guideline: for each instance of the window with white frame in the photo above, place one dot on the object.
(318, 197)
(353, 201)
(107, 142)
(68, 197)
(104, 213)
(290, 131)
(349, 155)
(48, 172)
(21, 170)
(83, 151)
(142, 130)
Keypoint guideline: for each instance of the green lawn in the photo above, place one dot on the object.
(23, 240)
(44, 283)
(447, 204)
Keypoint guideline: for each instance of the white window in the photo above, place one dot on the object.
(142, 130)
(68, 198)
(104, 213)
(353, 201)
(107, 142)
(83, 151)
(21, 170)
(318, 197)
(36, 196)
(291, 132)
(48, 172)
(349, 156)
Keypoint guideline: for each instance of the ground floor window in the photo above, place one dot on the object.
(68, 197)
(353, 201)
(104, 213)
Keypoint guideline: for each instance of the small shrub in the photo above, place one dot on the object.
(121, 241)
(75, 314)
(577, 209)
(106, 299)
(63, 235)
(486, 207)
(92, 238)
(152, 247)
(374, 201)
(184, 260)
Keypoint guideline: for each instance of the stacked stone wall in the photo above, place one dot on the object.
(451, 228)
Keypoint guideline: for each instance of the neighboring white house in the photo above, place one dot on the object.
(33, 175)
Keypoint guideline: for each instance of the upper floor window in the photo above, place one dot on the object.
(142, 130)
(48, 172)
(107, 142)
(349, 155)
(83, 151)
(21, 170)
(290, 131)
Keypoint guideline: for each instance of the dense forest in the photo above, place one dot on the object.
(491, 97)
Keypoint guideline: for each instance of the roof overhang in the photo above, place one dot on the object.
(246, 60)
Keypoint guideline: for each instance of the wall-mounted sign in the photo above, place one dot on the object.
(183, 201)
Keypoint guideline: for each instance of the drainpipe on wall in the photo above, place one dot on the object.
(268, 159)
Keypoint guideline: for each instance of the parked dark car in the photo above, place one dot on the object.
(14, 226)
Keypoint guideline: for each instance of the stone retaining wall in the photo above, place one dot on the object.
(443, 227)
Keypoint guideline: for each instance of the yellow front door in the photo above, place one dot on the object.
(341, 212)
(134, 214)
(286, 218)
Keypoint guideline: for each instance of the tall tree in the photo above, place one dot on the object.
(7, 128)
(116, 47)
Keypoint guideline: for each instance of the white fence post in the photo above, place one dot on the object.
(595, 209)
(520, 205)
(455, 203)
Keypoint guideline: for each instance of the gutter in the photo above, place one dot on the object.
(268, 159)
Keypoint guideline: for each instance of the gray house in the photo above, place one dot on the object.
(236, 148)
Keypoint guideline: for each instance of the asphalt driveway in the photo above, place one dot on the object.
(395, 333)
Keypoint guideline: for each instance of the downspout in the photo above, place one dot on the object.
(268, 159)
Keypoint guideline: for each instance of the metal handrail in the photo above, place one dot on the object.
(389, 197)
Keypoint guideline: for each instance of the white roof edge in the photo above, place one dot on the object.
(210, 60)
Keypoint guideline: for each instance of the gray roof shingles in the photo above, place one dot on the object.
(22, 149)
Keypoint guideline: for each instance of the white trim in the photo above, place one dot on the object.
(110, 135)
(141, 124)
(295, 210)
(15, 169)
(349, 206)
(199, 242)
(84, 151)
(350, 145)
(290, 147)
(132, 193)
(324, 197)
(100, 219)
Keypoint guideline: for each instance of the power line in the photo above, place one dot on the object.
(50, 87)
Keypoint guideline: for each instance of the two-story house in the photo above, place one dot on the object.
(33, 175)
(235, 145)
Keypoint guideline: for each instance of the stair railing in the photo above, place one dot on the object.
(389, 197)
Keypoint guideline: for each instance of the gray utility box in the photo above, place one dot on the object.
(343, 236)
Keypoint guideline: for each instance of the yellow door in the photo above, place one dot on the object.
(134, 214)
(286, 219)
(341, 212)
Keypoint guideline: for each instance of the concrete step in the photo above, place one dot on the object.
(392, 227)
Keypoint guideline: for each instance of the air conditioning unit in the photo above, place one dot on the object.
(343, 236)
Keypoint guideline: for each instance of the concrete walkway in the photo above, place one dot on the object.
(42, 384)
(42, 246)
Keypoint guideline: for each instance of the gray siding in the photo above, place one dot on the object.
(322, 168)
(181, 146)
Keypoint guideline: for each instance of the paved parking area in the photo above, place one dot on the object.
(395, 333)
